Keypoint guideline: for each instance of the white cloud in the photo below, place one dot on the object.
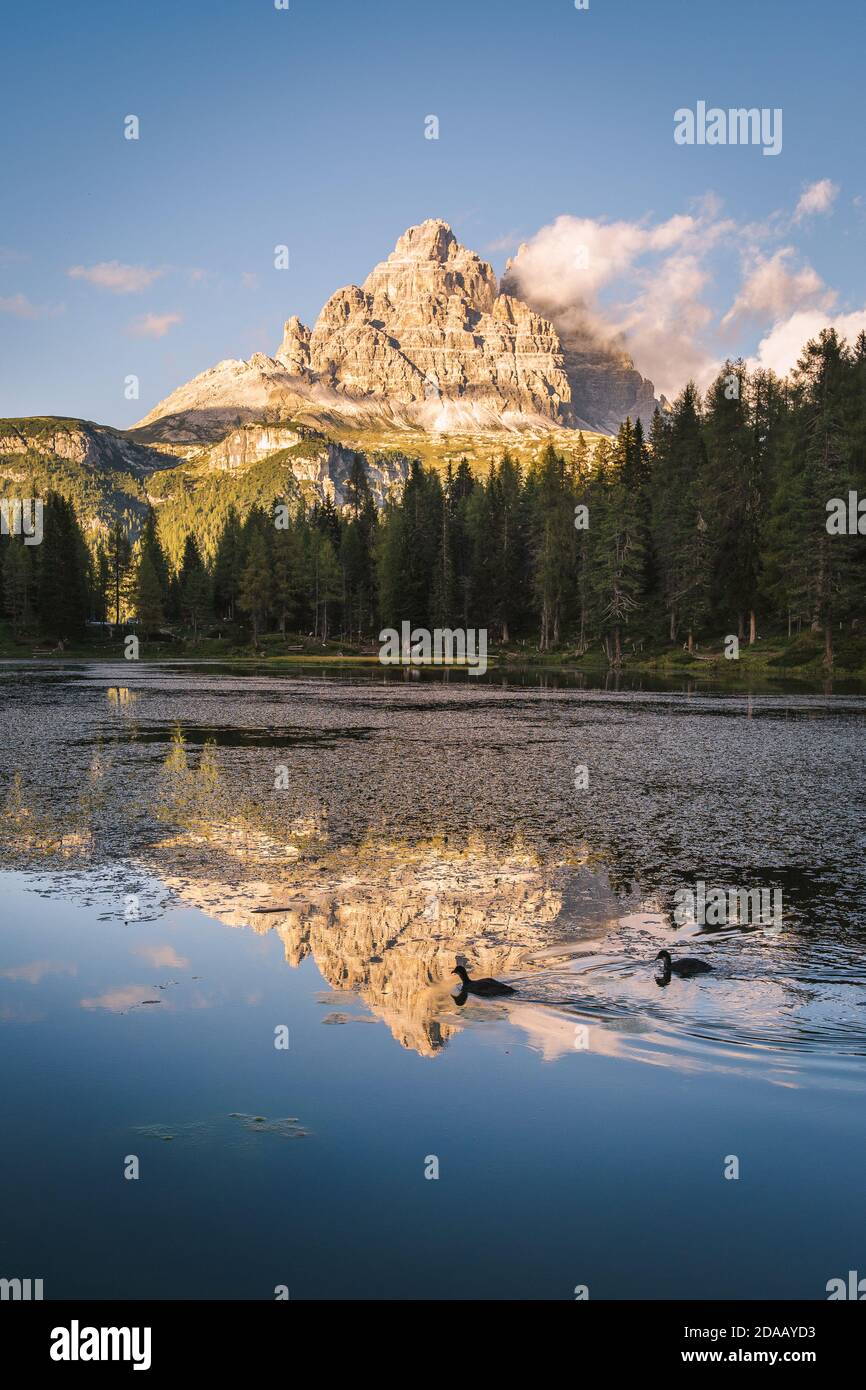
(153, 325)
(646, 288)
(781, 347)
(816, 199)
(162, 957)
(667, 325)
(120, 998)
(570, 269)
(774, 287)
(21, 308)
(114, 276)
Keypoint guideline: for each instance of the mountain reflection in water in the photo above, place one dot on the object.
(387, 830)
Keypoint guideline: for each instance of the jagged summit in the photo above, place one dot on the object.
(428, 341)
(432, 240)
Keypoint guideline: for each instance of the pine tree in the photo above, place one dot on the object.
(118, 552)
(287, 561)
(681, 533)
(193, 586)
(151, 589)
(18, 584)
(357, 486)
(553, 547)
(61, 571)
(149, 598)
(512, 570)
(734, 497)
(255, 588)
(326, 581)
(227, 566)
(100, 584)
(617, 542)
(822, 381)
(410, 538)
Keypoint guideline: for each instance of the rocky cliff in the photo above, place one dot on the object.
(191, 484)
(429, 325)
(429, 341)
(96, 448)
(606, 386)
(104, 473)
(318, 465)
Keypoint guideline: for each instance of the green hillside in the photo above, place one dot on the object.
(109, 475)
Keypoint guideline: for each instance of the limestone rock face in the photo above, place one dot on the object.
(430, 341)
(294, 350)
(320, 467)
(606, 386)
(246, 446)
(95, 448)
(428, 323)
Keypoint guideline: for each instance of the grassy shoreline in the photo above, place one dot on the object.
(800, 658)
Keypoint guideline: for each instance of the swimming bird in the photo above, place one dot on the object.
(487, 988)
(685, 967)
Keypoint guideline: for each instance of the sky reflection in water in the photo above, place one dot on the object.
(166, 908)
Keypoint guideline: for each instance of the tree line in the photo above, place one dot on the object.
(713, 522)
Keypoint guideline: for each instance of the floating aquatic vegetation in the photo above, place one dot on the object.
(217, 1131)
(287, 1128)
(337, 1018)
(194, 1132)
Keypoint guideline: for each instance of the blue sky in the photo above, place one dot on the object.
(306, 127)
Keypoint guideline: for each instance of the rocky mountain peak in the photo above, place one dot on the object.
(432, 240)
(294, 350)
(428, 341)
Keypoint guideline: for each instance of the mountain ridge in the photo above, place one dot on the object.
(432, 358)
(431, 341)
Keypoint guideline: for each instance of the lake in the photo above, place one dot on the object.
(235, 1060)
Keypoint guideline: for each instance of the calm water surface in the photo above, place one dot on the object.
(194, 860)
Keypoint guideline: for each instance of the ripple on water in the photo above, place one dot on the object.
(416, 820)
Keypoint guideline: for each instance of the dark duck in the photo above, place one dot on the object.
(685, 967)
(486, 988)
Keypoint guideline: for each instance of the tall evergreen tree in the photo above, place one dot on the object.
(118, 553)
(18, 584)
(254, 597)
(553, 547)
(152, 582)
(228, 564)
(681, 532)
(617, 542)
(287, 565)
(193, 586)
(61, 597)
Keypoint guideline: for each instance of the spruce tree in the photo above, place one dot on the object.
(228, 563)
(61, 571)
(254, 597)
(118, 551)
(18, 584)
